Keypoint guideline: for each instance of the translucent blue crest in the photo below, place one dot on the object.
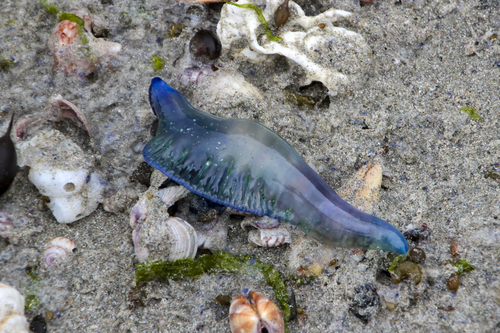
(244, 165)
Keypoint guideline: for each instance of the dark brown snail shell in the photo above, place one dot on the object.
(8, 160)
(205, 44)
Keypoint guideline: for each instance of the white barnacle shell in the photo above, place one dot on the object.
(12, 310)
(57, 251)
(61, 171)
(254, 315)
(268, 233)
(329, 54)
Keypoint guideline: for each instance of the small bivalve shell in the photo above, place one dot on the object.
(164, 239)
(252, 316)
(57, 251)
(12, 310)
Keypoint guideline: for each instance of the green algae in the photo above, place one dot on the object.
(6, 64)
(471, 112)
(32, 301)
(261, 17)
(62, 16)
(157, 63)
(220, 262)
(397, 261)
(463, 266)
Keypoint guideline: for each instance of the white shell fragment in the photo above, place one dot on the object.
(157, 236)
(268, 233)
(57, 251)
(332, 55)
(12, 311)
(72, 55)
(62, 172)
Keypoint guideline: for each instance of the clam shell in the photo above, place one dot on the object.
(159, 239)
(242, 316)
(252, 316)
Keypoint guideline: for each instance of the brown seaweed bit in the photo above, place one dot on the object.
(61, 108)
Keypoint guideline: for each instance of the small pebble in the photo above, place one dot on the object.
(417, 255)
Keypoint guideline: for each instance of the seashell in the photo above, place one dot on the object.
(157, 238)
(61, 108)
(269, 232)
(8, 160)
(269, 237)
(57, 251)
(282, 13)
(205, 44)
(204, 153)
(76, 56)
(171, 194)
(254, 315)
(74, 191)
(12, 310)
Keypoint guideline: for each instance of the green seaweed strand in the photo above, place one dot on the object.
(219, 262)
(69, 17)
(261, 17)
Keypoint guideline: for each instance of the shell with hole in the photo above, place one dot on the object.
(12, 317)
(63, 174)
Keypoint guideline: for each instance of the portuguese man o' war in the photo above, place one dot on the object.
(244, 165)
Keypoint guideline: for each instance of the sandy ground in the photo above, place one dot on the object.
(441, 168)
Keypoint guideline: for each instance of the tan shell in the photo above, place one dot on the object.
(254, 315)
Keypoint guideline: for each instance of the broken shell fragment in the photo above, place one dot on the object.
(60, 108)
(12, 310)
(75, 56)
(254, 315)
(57, 251)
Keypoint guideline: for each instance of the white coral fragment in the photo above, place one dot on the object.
(332, 55)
